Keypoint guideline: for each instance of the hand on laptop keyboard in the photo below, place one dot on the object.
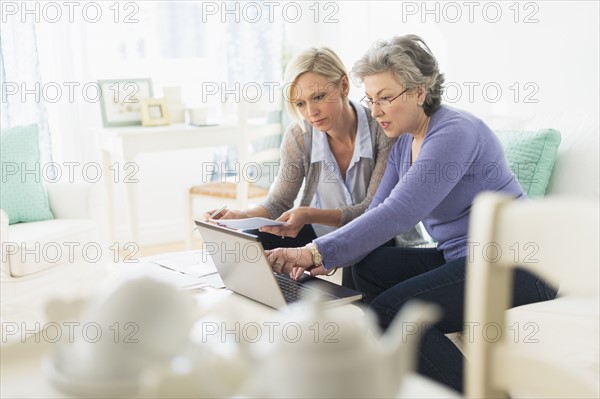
(293, 261)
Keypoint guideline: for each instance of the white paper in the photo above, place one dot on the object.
(189, 270)
(125, 271)
(248, 223)
(194, 263)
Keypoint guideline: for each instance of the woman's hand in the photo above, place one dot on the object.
(295, 219)
(225, 214)
(293, 261)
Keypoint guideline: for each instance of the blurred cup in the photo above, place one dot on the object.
(198, 116)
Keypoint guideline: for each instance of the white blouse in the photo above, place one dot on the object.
(333, 191)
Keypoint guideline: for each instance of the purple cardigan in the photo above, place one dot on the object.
(460, 157)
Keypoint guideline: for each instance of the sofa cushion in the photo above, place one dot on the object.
(567, 327)
(23, 196)
(531, 157)
(37, 246)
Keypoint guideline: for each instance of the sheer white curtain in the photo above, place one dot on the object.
(171, 42)
(254, 55)
(20, 79)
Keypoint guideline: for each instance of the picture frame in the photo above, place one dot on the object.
(120, 100)
(155, 112)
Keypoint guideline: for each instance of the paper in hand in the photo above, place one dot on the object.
(248, 223)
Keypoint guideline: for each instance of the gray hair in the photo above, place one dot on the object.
(323, 61)
(412, 64)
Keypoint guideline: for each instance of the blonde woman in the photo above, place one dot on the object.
(335, 148)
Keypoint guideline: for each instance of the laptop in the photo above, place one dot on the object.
(243, 266)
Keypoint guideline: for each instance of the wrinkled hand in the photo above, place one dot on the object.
(295, 219)
(225, 214)
(293, 261)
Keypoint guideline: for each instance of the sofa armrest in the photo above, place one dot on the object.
(79, 201)
(67, 201)
(4, 260)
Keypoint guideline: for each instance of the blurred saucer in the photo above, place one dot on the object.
(85, 387)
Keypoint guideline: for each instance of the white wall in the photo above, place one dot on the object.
(557, 55)
(551, 62)
(555, 59)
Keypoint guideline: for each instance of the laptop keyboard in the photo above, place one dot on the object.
(294, 291)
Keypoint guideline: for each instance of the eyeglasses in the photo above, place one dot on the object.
(382, 103)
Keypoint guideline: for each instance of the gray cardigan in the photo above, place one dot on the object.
(295, 169)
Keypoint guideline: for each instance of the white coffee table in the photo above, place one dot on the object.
(21, 376)
(22, 371)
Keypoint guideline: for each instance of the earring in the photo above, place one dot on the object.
(420, 104)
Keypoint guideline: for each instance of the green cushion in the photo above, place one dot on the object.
(22, 196)
(531, 156)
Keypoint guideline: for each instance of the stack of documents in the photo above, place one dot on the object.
(189, 270)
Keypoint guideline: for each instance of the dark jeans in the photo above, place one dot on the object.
(271, 241)
(390, 276)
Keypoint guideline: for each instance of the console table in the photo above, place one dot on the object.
(123, 144)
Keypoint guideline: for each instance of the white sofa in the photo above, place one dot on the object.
(568, 328)
(46, 259)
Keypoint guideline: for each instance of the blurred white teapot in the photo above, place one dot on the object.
(140, 323)
(327, 354)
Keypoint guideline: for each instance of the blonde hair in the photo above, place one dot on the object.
(318, 60)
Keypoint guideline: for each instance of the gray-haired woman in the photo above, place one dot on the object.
(435, 169)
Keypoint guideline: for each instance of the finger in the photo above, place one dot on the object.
(271, 230)
(285, 230)
(293, 269)
(227, 215)
(291, 233)
(271, 256)
(284, 217)
(317, 271)
(279, 262)
(294, 273)
(216, 217)
(299, 271)
(288, 267)
(278, 265)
